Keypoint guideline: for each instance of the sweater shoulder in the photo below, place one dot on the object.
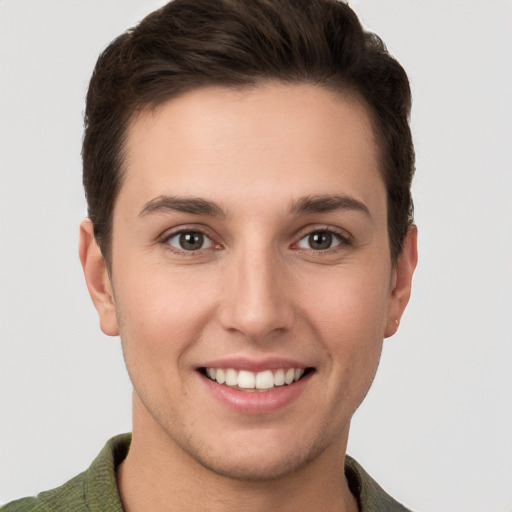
(69, 496)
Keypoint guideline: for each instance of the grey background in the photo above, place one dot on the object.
(435, 430)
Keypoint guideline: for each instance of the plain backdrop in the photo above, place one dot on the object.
(436, 428)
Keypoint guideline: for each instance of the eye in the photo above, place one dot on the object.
(320, 240)
(190, 241)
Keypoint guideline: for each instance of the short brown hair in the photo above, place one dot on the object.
(189, 44)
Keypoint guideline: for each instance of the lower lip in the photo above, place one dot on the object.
(256, 402)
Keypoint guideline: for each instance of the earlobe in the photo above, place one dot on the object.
(97, 279)
(402, 281)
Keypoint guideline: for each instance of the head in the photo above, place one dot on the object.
(247, 166)
(187, 45)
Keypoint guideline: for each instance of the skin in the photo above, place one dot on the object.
(256, 289)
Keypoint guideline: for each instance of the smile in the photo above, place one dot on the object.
(255, 381)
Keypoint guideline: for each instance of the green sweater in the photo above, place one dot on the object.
(95, 490)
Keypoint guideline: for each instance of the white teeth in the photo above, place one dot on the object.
(231, 377)
(246, 380)
(263, 380)
(290, 374)
(220, 376)
(279, 378)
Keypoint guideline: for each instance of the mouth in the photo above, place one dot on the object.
(255, 382)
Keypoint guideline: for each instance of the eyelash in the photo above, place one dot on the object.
(340, 236)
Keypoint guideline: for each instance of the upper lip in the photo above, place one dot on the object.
(254, 365)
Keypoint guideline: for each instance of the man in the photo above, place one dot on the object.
(247, 167)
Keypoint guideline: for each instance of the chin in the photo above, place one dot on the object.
(258, 461)
(255, 469)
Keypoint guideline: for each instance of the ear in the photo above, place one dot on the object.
(97, 279)
(402, 279)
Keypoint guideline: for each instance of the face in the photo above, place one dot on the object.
(251, 280)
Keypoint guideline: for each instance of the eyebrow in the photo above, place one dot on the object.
(328, 203)
(193, 205)
(199, 206)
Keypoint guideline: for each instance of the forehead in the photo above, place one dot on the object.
(293, 139)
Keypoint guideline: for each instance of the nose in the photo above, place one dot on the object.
(257, 296)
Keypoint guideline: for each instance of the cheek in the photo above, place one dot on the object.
(349, 316)
(353, 302)
(160, 316)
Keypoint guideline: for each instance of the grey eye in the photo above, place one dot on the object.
(319, 241)
(190, 241)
